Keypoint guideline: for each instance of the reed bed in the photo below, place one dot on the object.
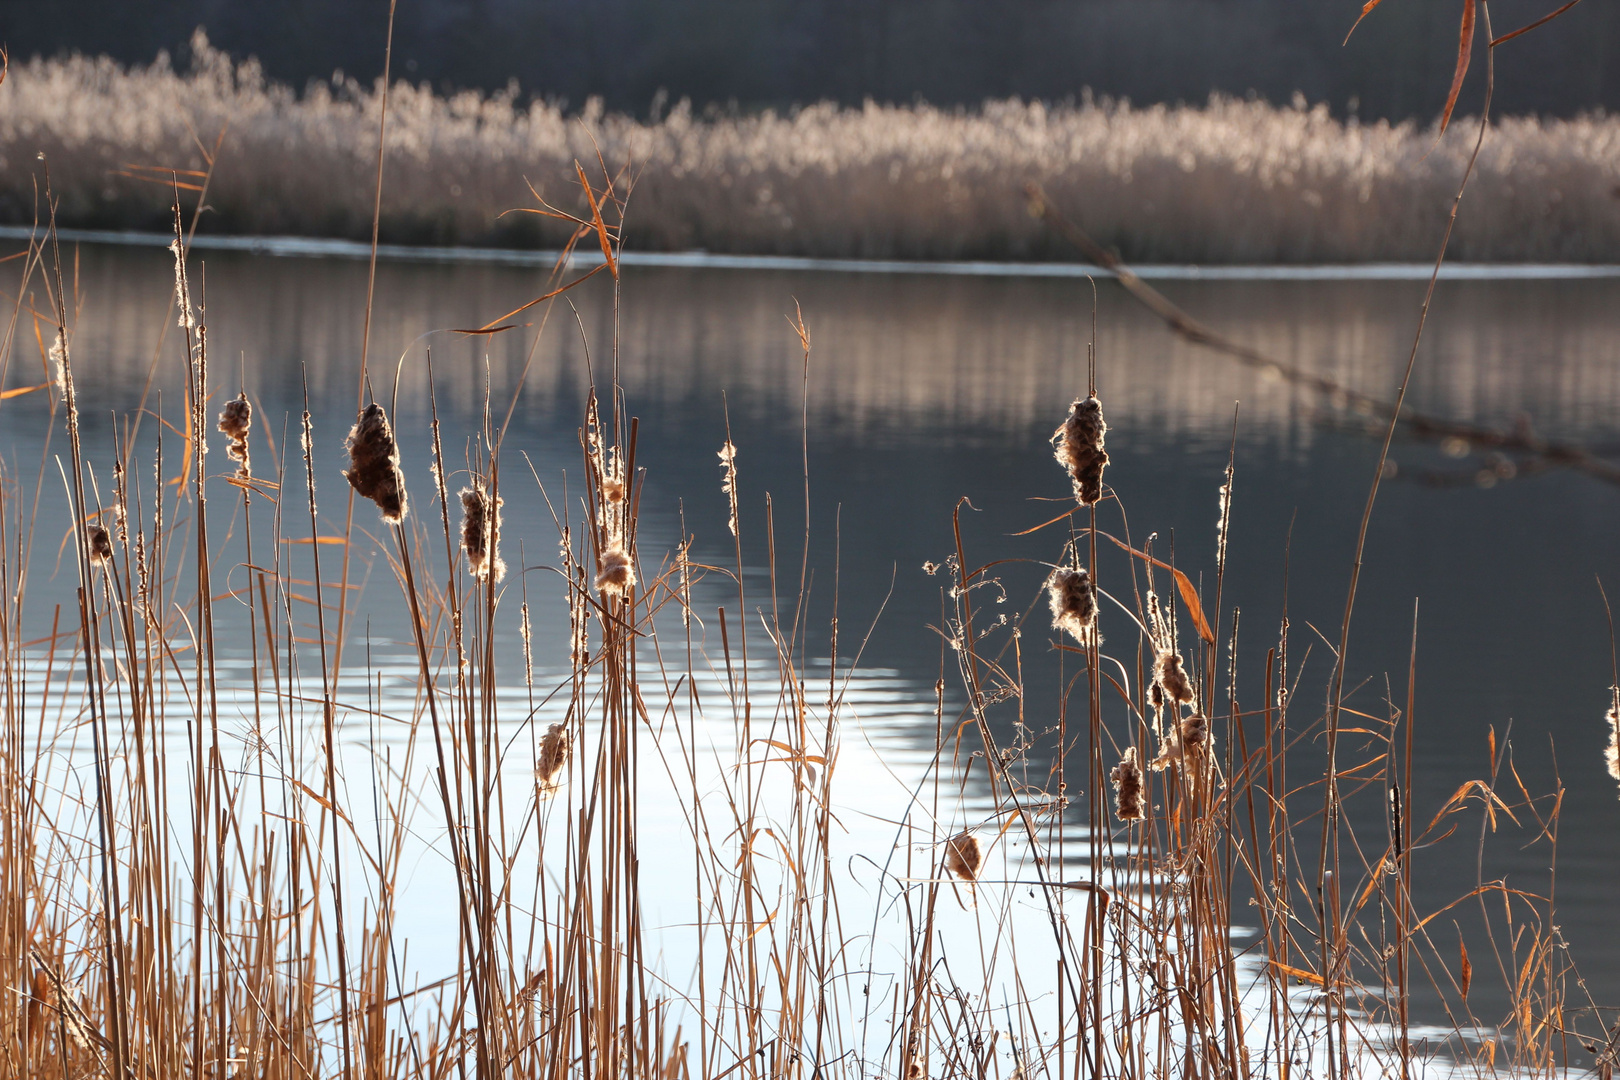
(203, 863)
(1229, 181)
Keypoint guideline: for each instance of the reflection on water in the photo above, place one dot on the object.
(923, 390)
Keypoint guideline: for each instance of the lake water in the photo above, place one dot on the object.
(925, 389)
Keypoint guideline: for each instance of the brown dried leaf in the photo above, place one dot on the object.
(1465, 49)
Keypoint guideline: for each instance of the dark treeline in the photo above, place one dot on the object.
(634, 53)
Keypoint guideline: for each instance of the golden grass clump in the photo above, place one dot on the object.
(615, 575)
(1073, 599)
(480, 532)
(1127, 780)
(1078, 447)
(374, 463)
(964, 855)
(236, 420)
(552, 760)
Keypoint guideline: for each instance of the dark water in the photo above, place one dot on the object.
(927, 390)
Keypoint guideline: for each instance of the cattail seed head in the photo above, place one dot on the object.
(1127, 781)
(728, 481)
(58, 355)
(101, 550)
(374, 463)
(1613, 755)
(1194, 734)
(1170, 677)
(1078, 447)
(236, 420)
(553, 759)
(964, 856)
(615, 575)
(1073, 599)
(480, 532)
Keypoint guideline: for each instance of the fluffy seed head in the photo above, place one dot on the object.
(236, 420)
(480, 532)
(1613, 755)
(1073, 599)
(1194, 734)
(614, 573)
(964, 856)
(728, 481)
(1078, 447)
(100, 545)
(374, 463)
(1171, 678)
(548, 770)
(1127, 780)
(59, 363)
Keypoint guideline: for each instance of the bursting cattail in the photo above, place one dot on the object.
(1194, 734)
(548, 769)
(235, 420)
(615, 576)
(728, 482)
(1171, 678)
(964, 856)
(374, 463)
(480, 532)
(1073, 599)
(1127, 781)
(101, 550)
(1078, 447)
(1613, 754)
(59, 363)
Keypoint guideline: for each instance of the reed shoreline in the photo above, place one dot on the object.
(1226, 182)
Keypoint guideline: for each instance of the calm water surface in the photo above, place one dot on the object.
(926, 390)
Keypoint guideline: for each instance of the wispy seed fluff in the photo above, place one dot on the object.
(548, 770)
(1171, 678)
(236, 420)
(480, 533)
(1184, 743)
(1078, 447)
(182, 291)
(100, 545)
(374, 463)
(1613, 717)
(1073, 599)
(59, 363)
(728, 483)
(964, 856)
(615, 575)
(1127, 781)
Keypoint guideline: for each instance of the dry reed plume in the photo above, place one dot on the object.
(1228, 181)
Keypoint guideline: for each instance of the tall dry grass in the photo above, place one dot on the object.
(1228, 181)
(203, 862)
